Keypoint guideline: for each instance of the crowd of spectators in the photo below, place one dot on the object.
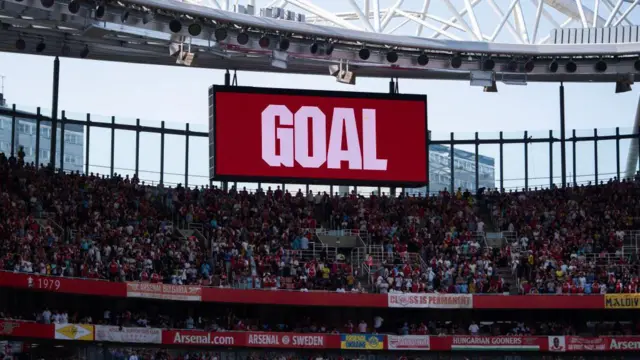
(117, 228)
(397, 325)
(575, 240)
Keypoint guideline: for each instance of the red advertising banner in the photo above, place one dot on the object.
(313, 298)
(587, 344)
(62, 284)
(434, 301)
(251, 339)
(525, 302)
(333, 136)
(164, 291)
(26, 329)
(488, 343)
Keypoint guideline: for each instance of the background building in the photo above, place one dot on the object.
(463, 167)
(25, 136)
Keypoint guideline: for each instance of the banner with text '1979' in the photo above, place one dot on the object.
(331, 137)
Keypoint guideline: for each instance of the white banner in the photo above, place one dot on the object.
(128, 335)
(434, 301)
(409, 342)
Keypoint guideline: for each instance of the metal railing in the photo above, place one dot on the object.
(315, 251)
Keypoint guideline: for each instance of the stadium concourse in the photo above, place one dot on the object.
(430, 280)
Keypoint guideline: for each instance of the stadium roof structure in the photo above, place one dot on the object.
(550, 40)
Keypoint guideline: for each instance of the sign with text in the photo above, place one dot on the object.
(509, 343)
(251, 339)
(362, 342)
(164, 291)
(622, 301)
(434, 301)
(408, 342)
(128, 335)
(319, 136)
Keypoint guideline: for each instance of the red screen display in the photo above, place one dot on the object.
(275, 134)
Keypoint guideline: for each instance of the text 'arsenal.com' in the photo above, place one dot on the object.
(323, 137)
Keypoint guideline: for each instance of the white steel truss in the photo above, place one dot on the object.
(503, 21)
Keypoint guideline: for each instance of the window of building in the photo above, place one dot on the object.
(44, 154)
(45, 131)
(71, 159)
(72, 138)
(25, 128)
(4, 146)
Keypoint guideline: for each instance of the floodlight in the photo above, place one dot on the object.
(529, 65)
(264, 42)
(284, 44)
(328, 48)
(100, 11)
(41, 46)
(85, 52)
(21, 44)
(488, 65)
(74, 6)
(220, 34)
(242, 38)
(195, 29)
(364, 54)
(392, 56)
(175, 26)
(313, 48)
(423, 59)
(456, 61)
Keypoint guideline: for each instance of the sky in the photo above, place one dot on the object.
(178, 95)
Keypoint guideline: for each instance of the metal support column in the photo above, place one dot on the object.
(595, 155)
(563, 150)
(526, 161)
(137, 148)
(452, 167)
(112, 162)
(393, 89)
(63, 119)
(38, 125)
(14, 125)
(617, 153)
(54, 111)
(634, 147)
(550, 159)
(574, 157)
(476, 160)
(162, 153)
(186, 157)
(87, 145)
(501, 162)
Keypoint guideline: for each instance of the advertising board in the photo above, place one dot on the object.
(274, 135)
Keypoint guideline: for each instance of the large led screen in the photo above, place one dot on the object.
(273, 135)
